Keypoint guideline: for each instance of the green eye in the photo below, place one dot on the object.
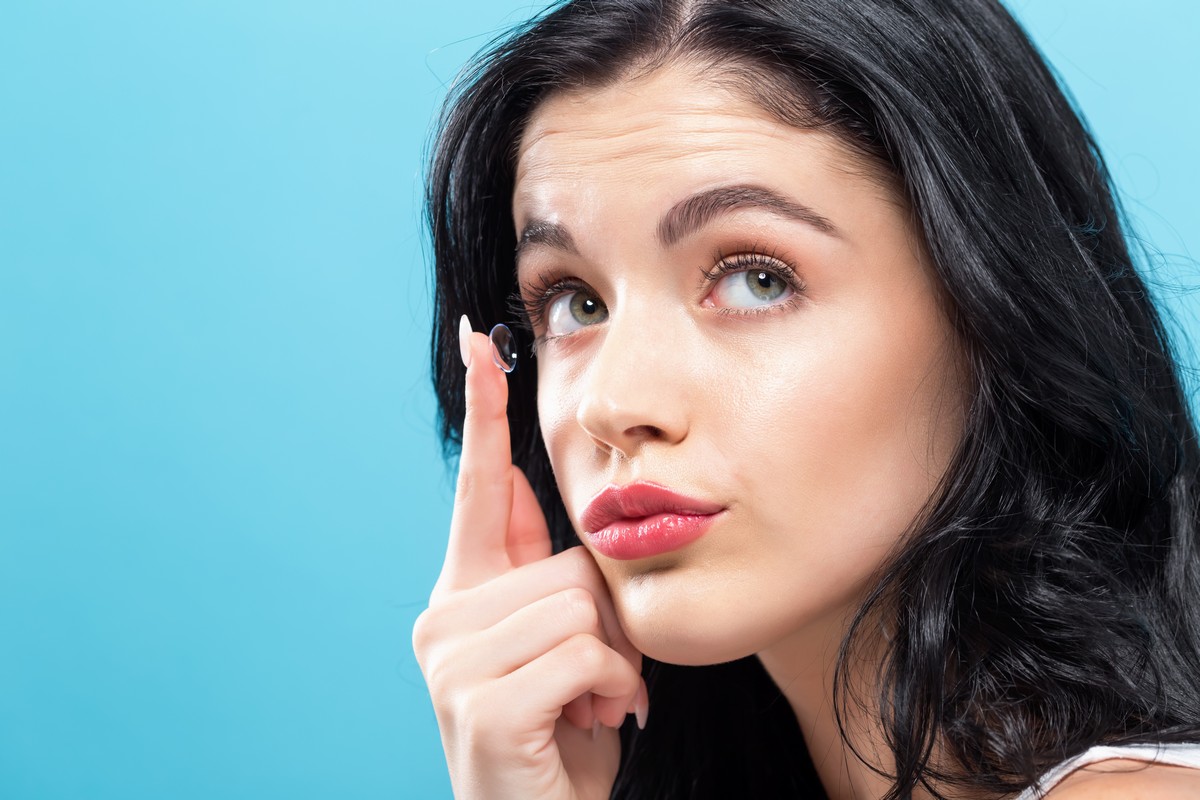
(572, 311)
(750, 288)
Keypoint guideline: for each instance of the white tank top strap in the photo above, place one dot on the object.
(1174, 753)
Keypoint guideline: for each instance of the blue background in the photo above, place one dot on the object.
(221, 498)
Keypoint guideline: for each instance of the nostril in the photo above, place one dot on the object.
(648, 431)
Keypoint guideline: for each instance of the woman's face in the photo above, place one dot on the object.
(810, 390)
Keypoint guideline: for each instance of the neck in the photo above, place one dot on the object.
(802, 667)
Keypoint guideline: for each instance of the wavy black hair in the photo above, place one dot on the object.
(1048, 597)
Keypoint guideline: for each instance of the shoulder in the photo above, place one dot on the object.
(1128, 779)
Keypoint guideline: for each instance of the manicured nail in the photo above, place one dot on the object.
(464, 340)
(596, 726)
(641, 706)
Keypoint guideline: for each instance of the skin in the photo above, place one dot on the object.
(820, 416)
(822, 425)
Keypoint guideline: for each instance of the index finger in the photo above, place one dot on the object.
(483, 497)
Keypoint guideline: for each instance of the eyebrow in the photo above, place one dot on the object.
(688, 216)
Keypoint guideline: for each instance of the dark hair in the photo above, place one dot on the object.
(1046, 600)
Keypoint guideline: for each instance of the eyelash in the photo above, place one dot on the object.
(530, 305)
(756, 259)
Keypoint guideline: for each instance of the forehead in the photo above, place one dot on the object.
(658, 134)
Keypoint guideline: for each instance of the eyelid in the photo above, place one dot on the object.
(748, 259)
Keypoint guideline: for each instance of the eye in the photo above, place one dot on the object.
(574, 310)
(750, 288)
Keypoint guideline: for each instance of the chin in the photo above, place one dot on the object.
(688, 652)
(675, 626)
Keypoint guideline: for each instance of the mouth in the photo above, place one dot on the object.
(644, 519)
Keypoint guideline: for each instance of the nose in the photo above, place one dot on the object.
(635, 388)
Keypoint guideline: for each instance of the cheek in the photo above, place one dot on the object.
(556, 404)
(858, 429)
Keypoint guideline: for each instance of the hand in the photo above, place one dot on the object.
(529, 670)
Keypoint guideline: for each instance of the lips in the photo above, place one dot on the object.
(644, 519)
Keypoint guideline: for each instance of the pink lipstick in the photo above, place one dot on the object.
(643, 519)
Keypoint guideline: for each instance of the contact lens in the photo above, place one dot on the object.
(504, 347)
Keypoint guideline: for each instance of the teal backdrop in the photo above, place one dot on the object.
(222, 503)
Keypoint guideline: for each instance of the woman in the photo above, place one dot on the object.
(844, 381)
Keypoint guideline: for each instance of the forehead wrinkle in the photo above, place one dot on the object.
(584, 117)
(644, 147)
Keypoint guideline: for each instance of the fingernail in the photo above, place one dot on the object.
(464, 340)
(596, 726)
(641, 705)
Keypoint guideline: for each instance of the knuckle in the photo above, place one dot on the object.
(445, 675)
(580, 606)
(423, 634)
(579, 568)
(586, 652)
(473, 483)
(437, 651)
(434, 670)
(478, 413)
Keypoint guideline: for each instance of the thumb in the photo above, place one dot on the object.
(528, 537)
